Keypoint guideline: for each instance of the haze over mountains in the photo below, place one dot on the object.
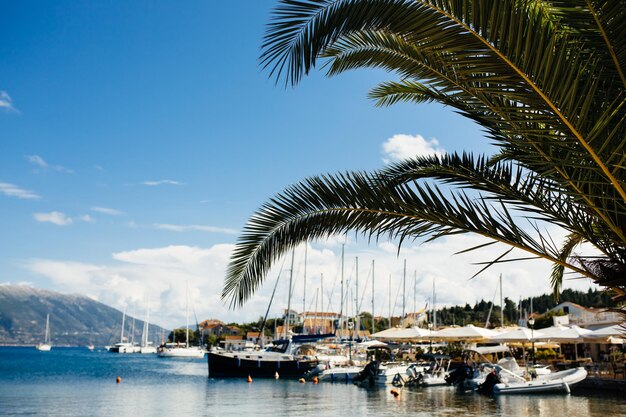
(75, 320)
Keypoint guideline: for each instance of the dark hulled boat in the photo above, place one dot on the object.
(289, 358)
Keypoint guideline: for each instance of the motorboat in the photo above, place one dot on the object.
(501, 382)
(474, 372)
(437, 371)
(284, 358)
(177, 350)
(380, 371)
(122, 347)
(339, 373)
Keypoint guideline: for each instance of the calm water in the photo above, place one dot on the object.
(77, 382)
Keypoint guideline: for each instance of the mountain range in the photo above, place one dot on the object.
(75, 320)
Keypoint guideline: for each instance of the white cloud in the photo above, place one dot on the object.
(17, 192)
(156, 278)
(400, 147)
(37, 160)
(86, 218)
(41, 163)
(54, 217)
(148, 278)
(6, 102)
(195, 227)
(107, 211)
(161, 182)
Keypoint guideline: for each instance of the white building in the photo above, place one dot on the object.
(590, 318)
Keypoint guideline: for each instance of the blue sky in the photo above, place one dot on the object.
(138, 137)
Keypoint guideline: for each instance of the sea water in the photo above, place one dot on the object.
(79, 382)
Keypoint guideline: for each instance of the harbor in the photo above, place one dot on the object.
(75, 382)
(313, 208)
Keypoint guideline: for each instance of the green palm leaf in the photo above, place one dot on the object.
(545, 79)
(383, 204)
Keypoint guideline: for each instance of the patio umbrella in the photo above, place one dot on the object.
(521, 335)
(563, 334)
(615, 334)
(371, 343)
(402, 334)
(469, 333)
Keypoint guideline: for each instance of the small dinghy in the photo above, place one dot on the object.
(503, 382)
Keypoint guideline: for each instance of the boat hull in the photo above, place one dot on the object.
(234, 365)
(181, 353)
(340, 374)
(556, 382)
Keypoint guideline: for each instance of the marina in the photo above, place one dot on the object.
(429, 221)
(76, 382)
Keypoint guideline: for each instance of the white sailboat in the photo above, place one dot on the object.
(46, 346)
(146, 345)
(171, 350)
(122, 346)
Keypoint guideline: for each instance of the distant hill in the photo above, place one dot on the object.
(75, 320)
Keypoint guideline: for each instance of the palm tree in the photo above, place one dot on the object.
(545, 80)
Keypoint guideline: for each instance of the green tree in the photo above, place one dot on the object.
(178, 335)
(544, 79)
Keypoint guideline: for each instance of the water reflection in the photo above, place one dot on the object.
(80, 384)
(549, 405)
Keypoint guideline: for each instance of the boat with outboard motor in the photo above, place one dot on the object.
(285, 358)
(506, 377)
(381, 371)
(476, 366)
(501, 381)
(430, 370)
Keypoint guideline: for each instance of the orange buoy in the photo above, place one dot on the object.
(249, 378)
(395, 392)
(315, 380)
(301, 380)
(118, 379)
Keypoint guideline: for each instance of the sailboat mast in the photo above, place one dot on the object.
(316, 323)
(322, 300)
(434, 305)
(187, 315)
(415, 297)
(293, 254)
(123, 322)
(47, 335)
(373, 328)
(404, 293)
(132, 330)
(341, 308)
(147, 327)
(501, 304)
(356, 299)
(304, 285)
(390, 301)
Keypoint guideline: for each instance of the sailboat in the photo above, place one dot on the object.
(146, 345)
(122, 346)
(46, 346)
(175, 350)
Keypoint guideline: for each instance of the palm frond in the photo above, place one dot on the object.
(556, 278)
(369, 204)
(523, 76)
